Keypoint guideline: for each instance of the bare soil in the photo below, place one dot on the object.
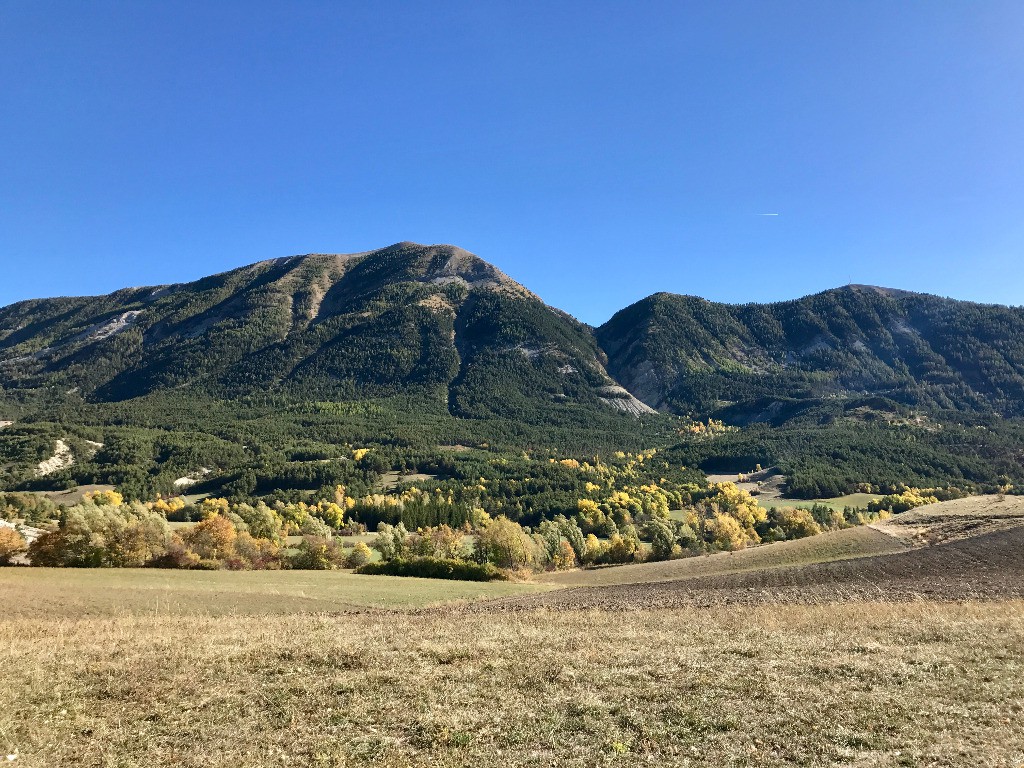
(954, 520)
(960, 550)
(862, 541)
(989, 566)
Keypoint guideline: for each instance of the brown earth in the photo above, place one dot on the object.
(953, 520)
(990, 566)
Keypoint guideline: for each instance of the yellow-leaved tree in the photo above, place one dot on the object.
(724, 532)
(507, 545)
(12, 544)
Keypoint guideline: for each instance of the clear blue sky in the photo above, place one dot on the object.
(597, 152)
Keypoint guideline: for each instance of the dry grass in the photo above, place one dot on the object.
(76, 593)
(955, 520)
(154, 668)
(951, 520)
(859, 684)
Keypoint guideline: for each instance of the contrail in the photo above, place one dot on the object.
(767, 214)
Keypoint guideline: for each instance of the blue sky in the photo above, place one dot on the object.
(597, 152)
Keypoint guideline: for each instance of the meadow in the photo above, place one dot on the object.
(136, 667)
(860, 684)
(73, 593)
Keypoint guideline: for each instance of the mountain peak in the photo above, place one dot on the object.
(878, 289)
(439, 265)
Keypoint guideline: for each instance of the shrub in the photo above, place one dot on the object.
(316, 553)
(359, 556)
(564, 557)
(507, 545)
(902, 502)
(391, 540)
(725, 532)
(593, 550)
(663, 540)
(622, 549)
(258, 554)
(212, 539)
(434, 568)
(794, 523)
(177, 555)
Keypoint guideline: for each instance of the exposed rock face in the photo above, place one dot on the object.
(621, 400)
(62, 459)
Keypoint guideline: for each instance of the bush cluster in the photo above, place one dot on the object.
(434, 568)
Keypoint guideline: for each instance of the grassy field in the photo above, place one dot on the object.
(76, 593)
(391, 480)
(838, 503)
(835, 545)
(142, 668)
(857, 684)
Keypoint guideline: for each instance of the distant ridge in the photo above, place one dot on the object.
(767, 361)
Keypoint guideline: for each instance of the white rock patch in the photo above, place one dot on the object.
(185, 482)
(621, 400)
(62, 459)
(113, 326)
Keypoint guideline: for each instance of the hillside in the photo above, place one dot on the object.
(771, 362)
(960, 550)
(434, 320)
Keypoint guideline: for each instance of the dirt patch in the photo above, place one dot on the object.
(766, 485)
(955, 520)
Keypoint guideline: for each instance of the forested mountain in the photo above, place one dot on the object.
(431, 320)
(269, 377)
(770, 362)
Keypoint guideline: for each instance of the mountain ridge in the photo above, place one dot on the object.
(437, 317)
(334, 325)
(686, 354)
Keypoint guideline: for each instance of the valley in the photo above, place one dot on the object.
(753, 535)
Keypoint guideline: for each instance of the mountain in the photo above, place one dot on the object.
(769, 362)
(432, 320)
(264, 379)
